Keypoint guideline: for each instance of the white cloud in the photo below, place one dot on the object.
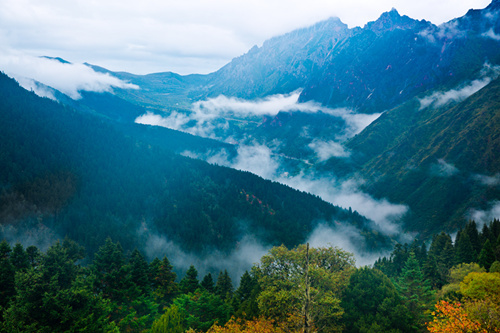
(488, 180)
(258, 159)
(208, 118)
(247, 252)
(347, 238)
(326, 150)
(485, 216)
(444, 169)
(68, 78)
(491, 34)
(182, 36)
(438, 99)
(348, 194)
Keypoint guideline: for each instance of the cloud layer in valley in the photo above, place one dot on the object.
(68, 78)
(210, 115)
(261, 161)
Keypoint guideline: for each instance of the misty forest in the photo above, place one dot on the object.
(333, 179)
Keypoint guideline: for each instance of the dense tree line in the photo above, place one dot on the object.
(289, 290)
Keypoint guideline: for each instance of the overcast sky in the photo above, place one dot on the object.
(183, 36)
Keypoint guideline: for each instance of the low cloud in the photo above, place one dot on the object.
(439, 99)
(210, 118)
(445, 31)
(485, 216)
(347, 238)
(488, 180)
(326, 150)
(70, 79)
(444, 169)
(29, 232)
(491, 34)
(348, 194)
(247, 252)
(259, 160)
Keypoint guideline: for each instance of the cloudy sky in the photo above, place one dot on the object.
(188, 36)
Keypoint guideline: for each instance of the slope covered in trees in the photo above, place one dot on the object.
(437, 160)
(73, 173)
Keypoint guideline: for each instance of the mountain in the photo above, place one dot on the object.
(432, 148)
(76, 173)
(369, 69)
(437, 160)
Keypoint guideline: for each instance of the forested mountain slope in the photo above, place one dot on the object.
(77, 174)
(441, 161)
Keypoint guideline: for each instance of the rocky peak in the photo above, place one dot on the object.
(391, 20)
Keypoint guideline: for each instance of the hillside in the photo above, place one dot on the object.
(68, 172)
(434, 159)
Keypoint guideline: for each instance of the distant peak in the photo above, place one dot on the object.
(391, 20)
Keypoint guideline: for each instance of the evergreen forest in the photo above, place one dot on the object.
(444, 286)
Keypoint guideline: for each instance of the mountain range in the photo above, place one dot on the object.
(407, 109)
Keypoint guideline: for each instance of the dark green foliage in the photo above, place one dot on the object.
(164, 286)
(139, 270)
(19, 258)
(224, 286)
(34, 255)
(415, 292)
(189, 282)
(471, 230)
(7, 273)
(202, 309)
(431, 273)
(442, 250)
(486, 256)
(245, 297)
(57, 297)
(112, 278)
(372, 303)
(464, 252)
(90, 177)
(208, 283)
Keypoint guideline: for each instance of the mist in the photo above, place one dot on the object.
(247, 252)
(347, 238)
(68, 78)
(443, 169)
(438, 99)
(209, 118)
(488, 180)
(482, 217)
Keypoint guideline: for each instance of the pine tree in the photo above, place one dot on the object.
(431, 273)
(415, 290)
(139, 270)
(487, 256)
(224, 286)
(464, 252)
(34, 255)
(166, 287)
(208, 283)
(7, 274)
(471, 230)
(189, 282)
(19, 258)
